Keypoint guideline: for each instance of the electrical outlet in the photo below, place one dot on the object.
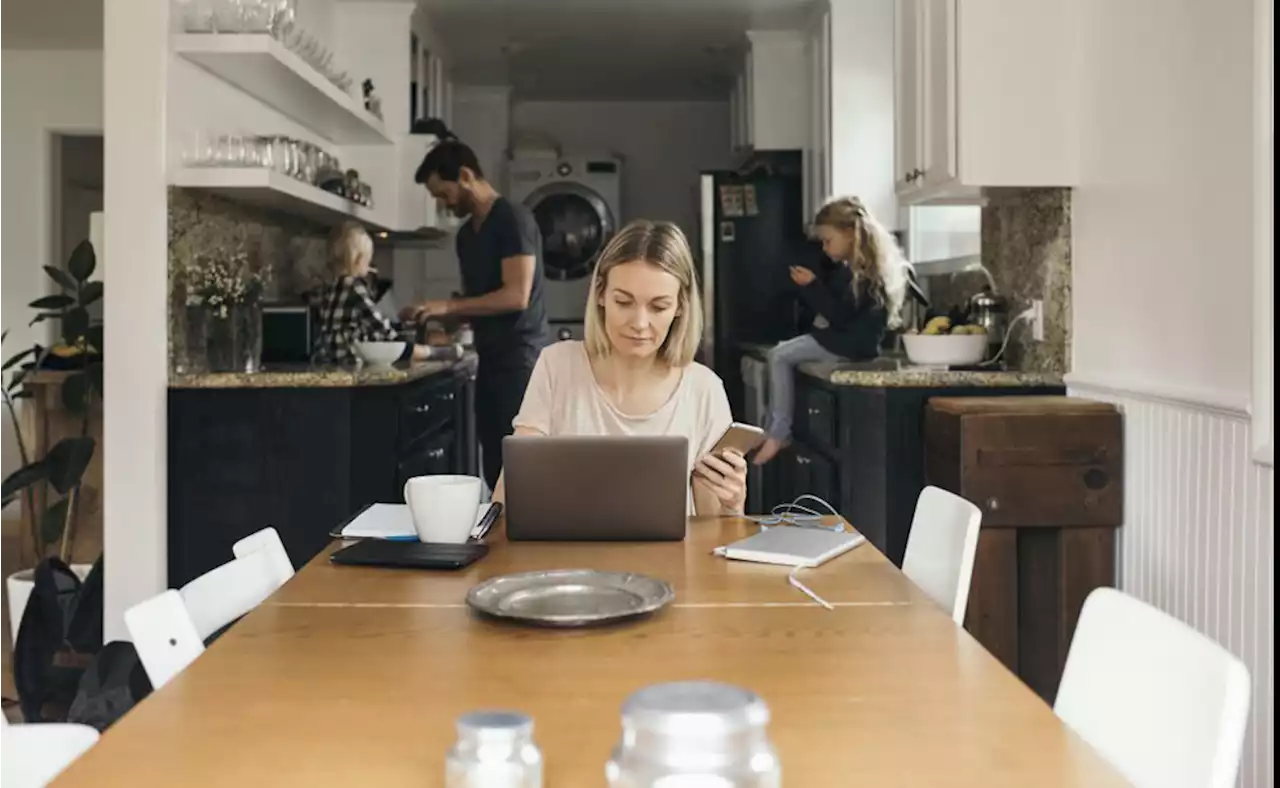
(1037, 319)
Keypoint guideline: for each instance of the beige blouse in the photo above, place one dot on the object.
(564, 398)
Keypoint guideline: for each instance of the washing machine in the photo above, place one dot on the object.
(577, 202)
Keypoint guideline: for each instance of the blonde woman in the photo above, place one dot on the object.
(347, 311)
(856, 301)
(634, 374)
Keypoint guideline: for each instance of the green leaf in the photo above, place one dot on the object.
(75, 392)
(22, 478)
(15, 359)
(95, 337)
(21, 395)
(63, 278)
(82, 261)
(43, 316)
(75, 324)
(90, 292)
(67, 461)
(54, 521)
(59, 301)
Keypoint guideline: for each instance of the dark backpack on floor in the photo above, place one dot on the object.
(113, 684)
(59, 635)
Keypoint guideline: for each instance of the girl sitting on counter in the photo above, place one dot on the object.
(348, 313)
(856, 302)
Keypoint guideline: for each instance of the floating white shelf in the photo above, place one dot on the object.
(271, 190)
(264, 68)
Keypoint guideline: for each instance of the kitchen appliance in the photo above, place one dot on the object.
(286, 333)
(991, 311)
(751, 231)
(577, 201)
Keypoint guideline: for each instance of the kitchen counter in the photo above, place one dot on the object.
(883, 373)
(316, 376)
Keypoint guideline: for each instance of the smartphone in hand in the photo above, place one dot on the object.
(743, 438)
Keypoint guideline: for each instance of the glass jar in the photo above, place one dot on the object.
(234, 337)
(494, 749)
(694, 733)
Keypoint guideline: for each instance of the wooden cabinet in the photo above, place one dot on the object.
(304, 459)
(987, 93)
(769, 103)
(1047, 473)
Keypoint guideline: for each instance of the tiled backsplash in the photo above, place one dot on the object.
(1026, 245)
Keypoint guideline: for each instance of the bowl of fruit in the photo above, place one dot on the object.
(944, 343)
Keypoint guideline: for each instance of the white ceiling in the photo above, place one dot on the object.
(604, 49)
(34, 24)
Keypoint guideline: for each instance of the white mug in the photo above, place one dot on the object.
(443, 507)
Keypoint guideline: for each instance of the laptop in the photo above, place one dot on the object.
(591, 488)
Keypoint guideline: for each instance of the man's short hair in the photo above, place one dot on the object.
(446, 161)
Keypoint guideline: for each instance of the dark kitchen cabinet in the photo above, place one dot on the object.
(304, 459)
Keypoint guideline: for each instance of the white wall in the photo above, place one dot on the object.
(1162, 270)
(663, 145)
(44, 92)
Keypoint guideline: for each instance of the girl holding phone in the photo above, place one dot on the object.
(856, 302)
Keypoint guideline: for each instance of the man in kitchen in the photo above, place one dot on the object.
(500, 254)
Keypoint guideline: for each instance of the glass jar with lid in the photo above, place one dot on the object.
(695, 733)
(495, 749)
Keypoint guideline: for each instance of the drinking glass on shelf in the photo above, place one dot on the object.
(198, 150)
(228, 15)
(196, 15)
(255, 16)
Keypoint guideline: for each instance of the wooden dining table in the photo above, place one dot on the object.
(355, 676)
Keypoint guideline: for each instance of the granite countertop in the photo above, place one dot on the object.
(315, 376)
(884, 373)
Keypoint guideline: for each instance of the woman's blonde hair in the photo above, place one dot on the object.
(876, 258)
(348, 242)
(660, 244)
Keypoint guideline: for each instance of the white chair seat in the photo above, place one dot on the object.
(36, 753)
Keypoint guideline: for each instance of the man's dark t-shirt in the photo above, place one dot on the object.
(509, 230)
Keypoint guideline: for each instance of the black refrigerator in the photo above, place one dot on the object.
(751, 232)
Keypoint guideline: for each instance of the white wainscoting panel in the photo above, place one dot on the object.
(1198, 536)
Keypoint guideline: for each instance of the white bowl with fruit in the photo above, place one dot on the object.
(944, 344)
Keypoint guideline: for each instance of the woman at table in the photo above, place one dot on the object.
(634, 374)
(347, 312)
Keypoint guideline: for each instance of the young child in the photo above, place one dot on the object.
(347, 310)
(856, 302)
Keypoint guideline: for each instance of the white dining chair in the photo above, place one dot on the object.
(1165, 705)
(169, 630)
(941, 547)
(267, 539)
(35, 753)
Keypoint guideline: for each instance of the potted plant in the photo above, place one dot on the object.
(50, 485)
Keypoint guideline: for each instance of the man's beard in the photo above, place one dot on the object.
(464, 207)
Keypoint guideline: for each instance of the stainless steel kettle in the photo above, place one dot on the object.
(991, 311)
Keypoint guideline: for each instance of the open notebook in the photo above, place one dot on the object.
(395, 521)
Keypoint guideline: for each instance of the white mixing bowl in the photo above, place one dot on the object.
(945, 349)
(380, 354)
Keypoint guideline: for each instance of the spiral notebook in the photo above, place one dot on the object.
(791, 545)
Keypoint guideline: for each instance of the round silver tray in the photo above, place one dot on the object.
(569, 597)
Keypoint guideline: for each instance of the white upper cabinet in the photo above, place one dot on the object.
(769, 104)
(986, 95)
(817, 149)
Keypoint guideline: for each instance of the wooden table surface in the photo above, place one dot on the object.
(355, 677)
